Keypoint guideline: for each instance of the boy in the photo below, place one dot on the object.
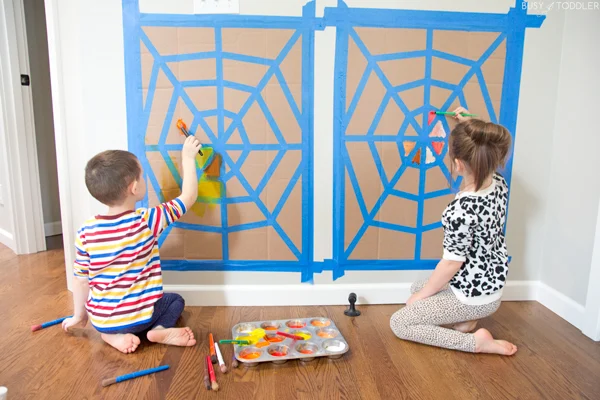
(118, 279)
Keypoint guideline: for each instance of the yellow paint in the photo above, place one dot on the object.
(303, 335)
(250, 339)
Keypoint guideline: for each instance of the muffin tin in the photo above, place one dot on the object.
(321, 336)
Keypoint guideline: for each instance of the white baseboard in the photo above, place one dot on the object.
(53, 228)
(7, 239)
(563, 306)
(312, 295)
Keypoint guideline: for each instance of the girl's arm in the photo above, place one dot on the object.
(440, 277)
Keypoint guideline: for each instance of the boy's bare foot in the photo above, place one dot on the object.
(172, 336)
(465, 327)
(485, 343)
(125, 343)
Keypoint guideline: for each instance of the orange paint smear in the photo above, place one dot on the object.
(305, 351)
(326, 335)
(262, 344)
(275, 338)
(270, 328)
(250, 356)
(320, 323)
(214, 169)
(417, 158)
(438, 147)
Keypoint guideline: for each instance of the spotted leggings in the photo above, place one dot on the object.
(423, 321)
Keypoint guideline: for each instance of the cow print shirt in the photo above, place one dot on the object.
(474, 233)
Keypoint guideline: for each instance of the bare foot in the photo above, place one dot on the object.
(465, 327)
(126, 343)
(172, 336)
(485, 343)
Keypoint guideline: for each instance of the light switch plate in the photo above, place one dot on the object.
(216, 6)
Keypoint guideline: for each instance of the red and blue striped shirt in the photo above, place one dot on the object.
(119, 256)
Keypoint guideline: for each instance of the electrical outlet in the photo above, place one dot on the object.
(216, 6)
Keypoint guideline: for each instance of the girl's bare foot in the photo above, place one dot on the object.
(126, 343)
(172, 336)
(485, 343)
(465, 327)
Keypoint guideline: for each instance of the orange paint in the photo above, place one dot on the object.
(408, 147)
(417, 158)
(326, 335)
(262, 344)
(438, 147)
(213, 170)
(250, 355)
(319, 323)
(274, 338)
(269, 327)
(305, 351)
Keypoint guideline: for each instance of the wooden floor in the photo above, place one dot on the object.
(555, 361)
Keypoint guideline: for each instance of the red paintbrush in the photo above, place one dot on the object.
(289, 335)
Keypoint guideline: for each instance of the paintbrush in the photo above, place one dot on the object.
(213, 378)
(232, 341)
(211, 343)
(206, 376)
(220, 358)
(289, 335)
(122, 378)
(183, 128)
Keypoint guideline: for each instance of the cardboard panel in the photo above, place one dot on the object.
(475, 99)
(399, 72)
(202, 245)
(249, 245)
(409, 181)
(251, 42)
(203, 98)
(357, 64)
(242, 72)
(398, 211)
(447, 71)
(413, 99)
(290, 217)
(173, 246)
(192, 70)
(352, 218)
(257, 128)
(195, 40)
(391, 120)
(164, 39)
(432, 244)
(278, 250)
(291, 68)
(367, 106)
(281, 112)
(203, 214)
(233, 100)
(493, 73)
(158, 113)
(243, 213)
(366, 172)
(434, 208)
(384, 244)
(390, 157)
(392, 40)
(435, 180)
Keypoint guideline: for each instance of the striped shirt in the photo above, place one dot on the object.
(119, 256)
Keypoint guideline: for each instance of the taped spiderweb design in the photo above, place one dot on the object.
(393, 169)
(240, 90)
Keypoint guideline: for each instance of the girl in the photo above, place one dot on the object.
(467, 283)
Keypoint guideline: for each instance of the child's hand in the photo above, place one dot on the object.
(74, 321)
(458, 116)
(190, 147)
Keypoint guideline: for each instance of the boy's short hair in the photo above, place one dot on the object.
(109, 174)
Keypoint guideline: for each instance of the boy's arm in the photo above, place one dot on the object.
(189, 189)
(81, 287)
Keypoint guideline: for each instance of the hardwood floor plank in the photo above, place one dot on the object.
(555, 360)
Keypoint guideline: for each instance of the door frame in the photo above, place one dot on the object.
(23, 173)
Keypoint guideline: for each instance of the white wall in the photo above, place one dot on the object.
(42, 107)
(92, 58)
(574, 190)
